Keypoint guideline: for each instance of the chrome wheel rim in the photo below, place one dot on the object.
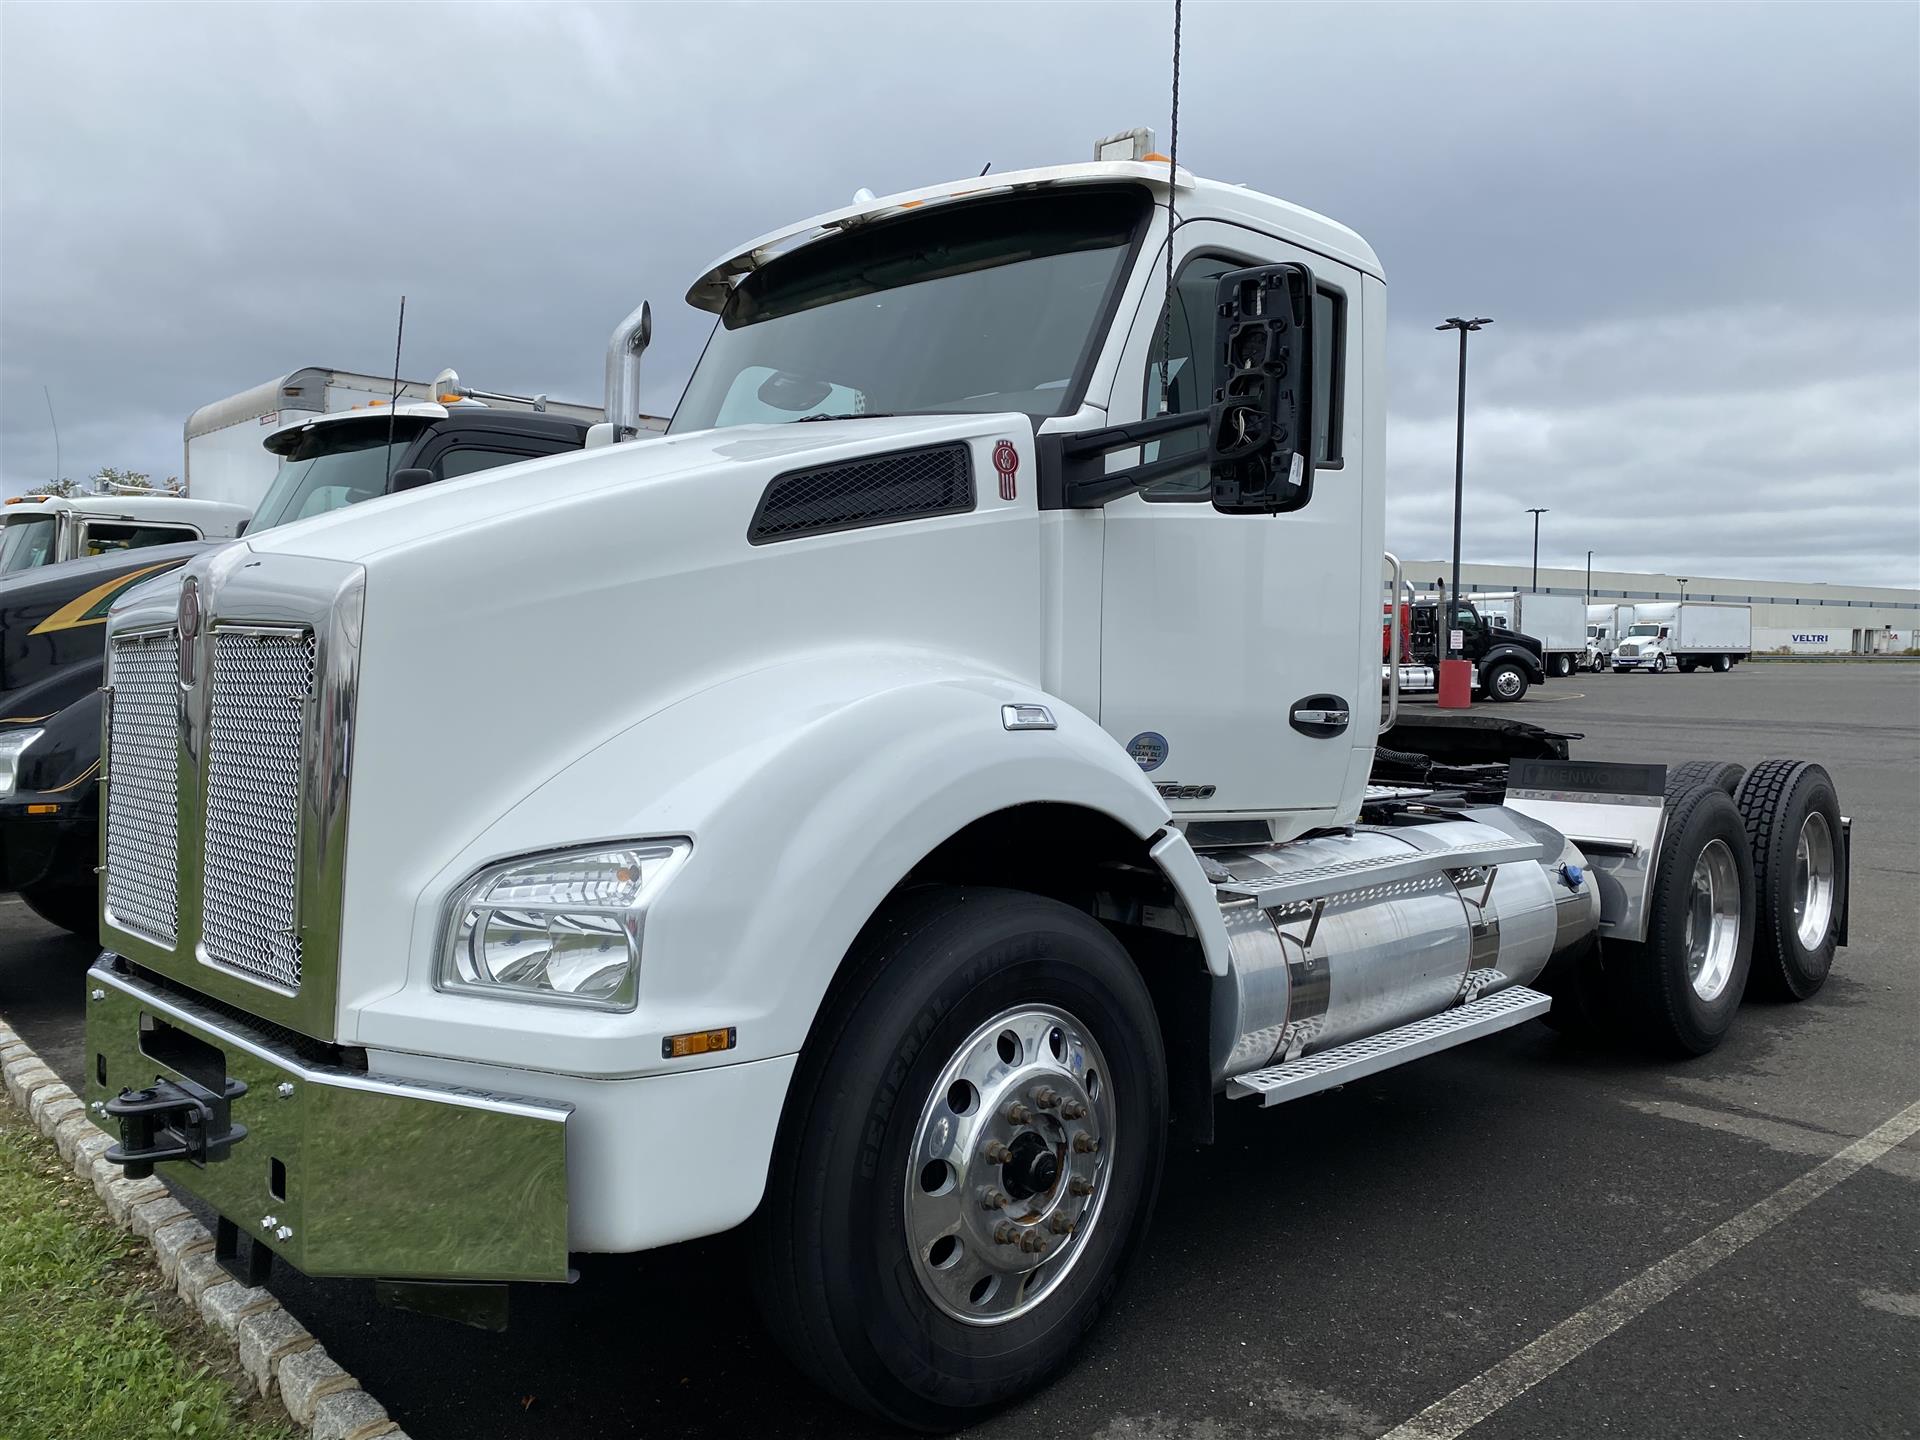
(1507, 683)
(1008, 1172)
(1713, 920)
(1813, 881)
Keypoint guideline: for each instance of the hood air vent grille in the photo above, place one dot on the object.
(873, 490)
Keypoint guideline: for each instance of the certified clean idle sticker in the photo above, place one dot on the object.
(1148, 749)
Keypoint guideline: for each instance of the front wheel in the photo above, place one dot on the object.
(970, 1153)
(1505, 681)
(1659, 664)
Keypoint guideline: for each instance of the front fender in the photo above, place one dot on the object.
(1525, 657)
(809, 790)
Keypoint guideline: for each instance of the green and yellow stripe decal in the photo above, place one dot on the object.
(91, 608)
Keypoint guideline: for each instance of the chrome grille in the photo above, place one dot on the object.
(261, 682)
(143, 751)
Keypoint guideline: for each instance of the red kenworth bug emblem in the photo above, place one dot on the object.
(1006, 460)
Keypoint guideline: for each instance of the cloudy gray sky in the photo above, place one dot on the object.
(1697, 228)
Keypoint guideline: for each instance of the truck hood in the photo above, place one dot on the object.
(517, 621)
(580, 480)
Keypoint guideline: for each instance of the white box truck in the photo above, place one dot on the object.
(1558, 622)
(227, 459)
(889, 832)
(1685, 635)
(1604, 624)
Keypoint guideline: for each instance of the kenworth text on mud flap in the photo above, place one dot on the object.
(53, 619)
(915, 813)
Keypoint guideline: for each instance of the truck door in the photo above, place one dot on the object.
(1239, 662)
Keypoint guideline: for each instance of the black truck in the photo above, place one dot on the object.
(1506, 664)
(53, 623)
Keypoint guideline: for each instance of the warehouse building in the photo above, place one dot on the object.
(1789, 616)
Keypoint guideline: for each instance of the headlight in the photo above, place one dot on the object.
(13, 744)
(563, 927)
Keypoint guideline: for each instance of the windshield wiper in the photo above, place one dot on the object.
(862, 415)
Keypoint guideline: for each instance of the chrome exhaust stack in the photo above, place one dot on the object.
(629, 342)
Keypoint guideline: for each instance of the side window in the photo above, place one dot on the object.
(471, 460)
(1189, 381)
(107, 538)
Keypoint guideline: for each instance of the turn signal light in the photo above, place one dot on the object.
(698, 1042)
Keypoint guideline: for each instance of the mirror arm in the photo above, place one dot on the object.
(1078, 459)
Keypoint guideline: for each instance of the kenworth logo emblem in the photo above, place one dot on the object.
(1006, 460)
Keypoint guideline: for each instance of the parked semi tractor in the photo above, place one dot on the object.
(1558, 622)
(1685, 635)
(225, 459)
(1506, 664)
(53, 621)
(39, 530)
(883, 832)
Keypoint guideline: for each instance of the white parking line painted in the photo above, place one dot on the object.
(1782, 1135)
(1495, 1388)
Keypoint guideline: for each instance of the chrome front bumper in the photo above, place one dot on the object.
(338, 1172)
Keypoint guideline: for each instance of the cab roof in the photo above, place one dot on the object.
(1194, 198)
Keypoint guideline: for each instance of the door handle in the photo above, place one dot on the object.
(1320, 715)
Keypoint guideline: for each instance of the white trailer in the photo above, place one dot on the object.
(1558, 622)
(1685, 635)
(888, 831)
(226, 455)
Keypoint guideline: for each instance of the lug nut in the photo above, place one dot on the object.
(1073, 1110)
(1059, 1224)
(996, 1152)
(1032, 1242)
(1006, 1233)
(993, 1199)
(1045, 1098)
(1084, 1144)
(1018, 1114)
(1078, 1186)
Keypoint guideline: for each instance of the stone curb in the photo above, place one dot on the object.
(274, 1349)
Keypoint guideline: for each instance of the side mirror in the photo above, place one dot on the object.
(1260, 432)
(412, 478)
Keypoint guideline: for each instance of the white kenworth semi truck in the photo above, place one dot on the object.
(880, 832)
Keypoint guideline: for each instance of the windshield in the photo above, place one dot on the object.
(331, 466)
(1644, 630)
(26, 541)
(988, 307)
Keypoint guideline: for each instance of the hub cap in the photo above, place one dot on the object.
(1009, 1165)
(1813, 881)
(1713, 920)
(1507, 682)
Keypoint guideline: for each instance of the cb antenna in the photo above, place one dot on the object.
(56, 437)
(393, 405)
(1173, 165)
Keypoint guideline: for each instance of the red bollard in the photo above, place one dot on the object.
(1456, 684)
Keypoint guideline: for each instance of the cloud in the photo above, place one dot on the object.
(1694, 226)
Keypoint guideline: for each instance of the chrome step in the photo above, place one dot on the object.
(1359, 1058)
(1317, 881)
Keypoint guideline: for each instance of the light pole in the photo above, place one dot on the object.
(1536, 511)
(1683, 585)
(1459, 462)
(1589, 577)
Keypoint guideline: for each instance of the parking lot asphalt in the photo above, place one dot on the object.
(1337, 1266)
